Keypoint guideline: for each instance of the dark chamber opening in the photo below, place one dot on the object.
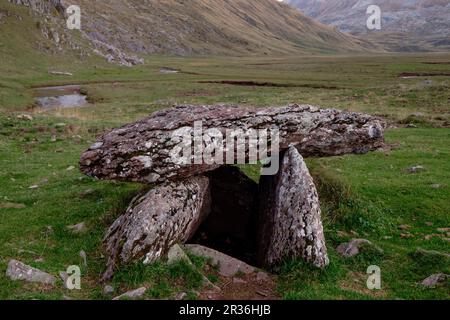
(231, 227)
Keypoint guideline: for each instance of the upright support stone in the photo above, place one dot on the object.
(156, 220)
(290, 219)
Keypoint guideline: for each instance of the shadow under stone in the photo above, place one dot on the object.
(231, 227)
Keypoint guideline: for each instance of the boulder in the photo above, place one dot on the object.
(156, 220)
(19, 271)
(289, 220)
(141, 151)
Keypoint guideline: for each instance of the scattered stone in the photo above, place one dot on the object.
(132, 295)
(415, 169)
(387, 237)
(39, 260)
(108, 290)
(60, 73)
(436, 186)
(434, 280)
(443, 230)
(406, 235)
(64, 276)
(354, 247)
(422, 253)
(262, 276)
(53, 138)
(11, 205)
(19, 271)
(70, 168)
(49, 230)
(78, 228)
(83, 257)
(236, 280)
(25, 117)
(60, 125)
(180, 296)
(342, 234)
(35, 186)
(429, 223)
(431, 236)
(168, 70)
(404, 227)
(228, 266)
(262, 293)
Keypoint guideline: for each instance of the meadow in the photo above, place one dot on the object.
(370, 196)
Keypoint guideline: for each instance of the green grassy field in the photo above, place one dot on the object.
(366, 196)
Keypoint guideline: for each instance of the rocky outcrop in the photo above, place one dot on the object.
(42, 6)
(141, 151)
(290, 217)
(156, 220)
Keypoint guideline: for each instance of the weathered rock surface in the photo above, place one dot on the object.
(42, 6)
(156, 220)
(354, 246)
(19, 271)
(228, 266)
(78, 228)
(132, 295)
(290, 218)
(141, 151)
(435, 279)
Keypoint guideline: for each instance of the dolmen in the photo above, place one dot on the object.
(187, 156)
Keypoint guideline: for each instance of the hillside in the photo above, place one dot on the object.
(414, 25)
(191, 27)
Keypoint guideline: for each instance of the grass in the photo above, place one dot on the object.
(366, 196)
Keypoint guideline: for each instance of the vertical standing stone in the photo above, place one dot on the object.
(155, 221)
(290, 218)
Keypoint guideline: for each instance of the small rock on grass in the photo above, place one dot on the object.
(180, 296)
(19, 271)
(108, 290)
(415, 169)
(83, 256)
(435, 279)
(63, 275)
(11, 205)
(78, 228)
(132, 295)
(25, 117)
(354, 246)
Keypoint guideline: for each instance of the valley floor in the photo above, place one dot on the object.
(368, 196)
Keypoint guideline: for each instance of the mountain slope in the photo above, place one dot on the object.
(407, 25)
(205, 27)
(210, 27)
